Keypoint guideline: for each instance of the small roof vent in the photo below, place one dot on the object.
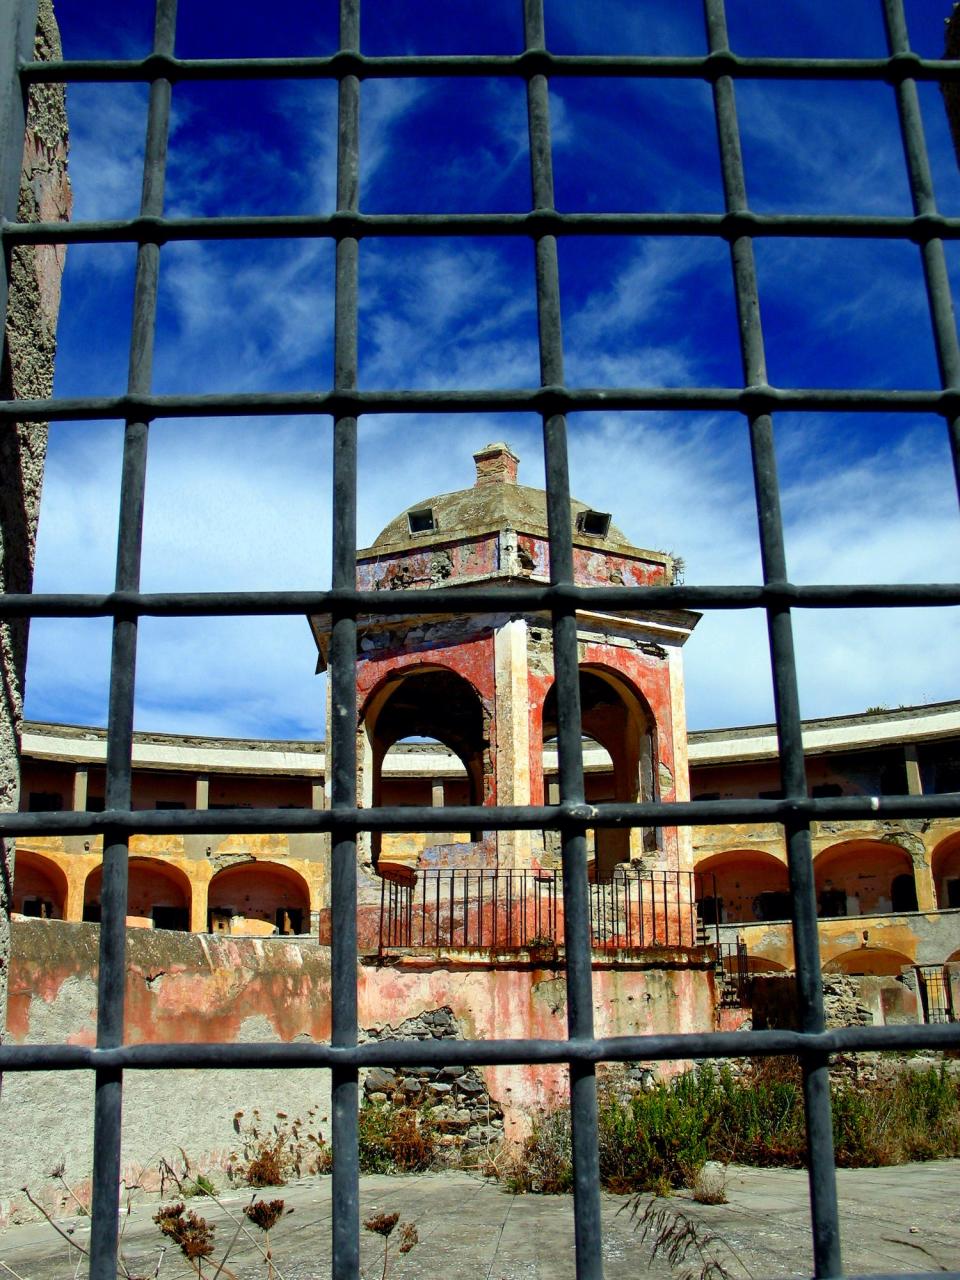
(595, 524)
(422, 520)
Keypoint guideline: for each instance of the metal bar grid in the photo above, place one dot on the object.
(756, 400)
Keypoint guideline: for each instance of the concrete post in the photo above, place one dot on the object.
(914, 785)
(73, 903)
(79, 790)
(199, 899)
(512, 765)
(923, 881)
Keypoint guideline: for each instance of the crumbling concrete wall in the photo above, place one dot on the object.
(455, 1098)
(848, 1001)
(27, 372)
(203, 988)
(180, 987)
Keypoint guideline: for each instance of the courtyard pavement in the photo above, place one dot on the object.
(893, 1220)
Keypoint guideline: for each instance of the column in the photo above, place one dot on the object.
(79, 790)
(512, 765)
(199, 897)
(914, 785)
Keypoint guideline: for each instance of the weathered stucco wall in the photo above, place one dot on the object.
(188, 987)
(180, 987)
(27, 371)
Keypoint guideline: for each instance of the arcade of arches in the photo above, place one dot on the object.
(249, 896)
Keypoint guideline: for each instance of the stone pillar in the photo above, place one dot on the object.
(923, 880)
(29, 342)
(76, 879)
(681, 767)
(202, 800)
(437, 797)
(79, 790)
(317, 796)
(512, 765)
(199, 899)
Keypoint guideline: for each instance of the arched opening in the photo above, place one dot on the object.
(864, 877)
(616, 717)
(258, 898)
(158, 895)
(945, 865)
(742, 885)
(39, 886)
(424, 706)
(758, 965)
(876, 961)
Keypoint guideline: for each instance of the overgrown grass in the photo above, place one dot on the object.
(396, 1140)
(660, 1140)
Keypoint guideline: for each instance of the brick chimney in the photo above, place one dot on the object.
(496, 464)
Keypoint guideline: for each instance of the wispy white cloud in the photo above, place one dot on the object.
(247, 504)
(107, 129)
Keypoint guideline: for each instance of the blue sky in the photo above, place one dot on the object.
(245, 504)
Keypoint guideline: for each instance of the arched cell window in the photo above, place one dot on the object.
(862, 877)
(39, 886)
(158, 894)
(258, 897)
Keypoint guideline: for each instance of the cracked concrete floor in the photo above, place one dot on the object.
(893, 1220)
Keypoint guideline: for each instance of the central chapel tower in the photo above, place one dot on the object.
(482, 685)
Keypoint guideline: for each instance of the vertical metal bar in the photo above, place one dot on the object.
(630, 884)
(466, 906)
(653, 908)
(345, 1240)
(939, 297)
(383, 916)
(112, 966)
(822, 1172)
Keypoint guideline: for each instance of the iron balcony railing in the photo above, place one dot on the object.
(486, 909)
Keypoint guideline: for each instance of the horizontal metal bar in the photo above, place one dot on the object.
(478, 600)
(749, 400)
(413, 1053)
(891, 70)
(490, 818)
(919, 229)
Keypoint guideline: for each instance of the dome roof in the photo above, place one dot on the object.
(495, 501)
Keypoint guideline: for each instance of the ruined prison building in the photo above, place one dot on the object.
(483, 685)
(456, 711)
(461, 933)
